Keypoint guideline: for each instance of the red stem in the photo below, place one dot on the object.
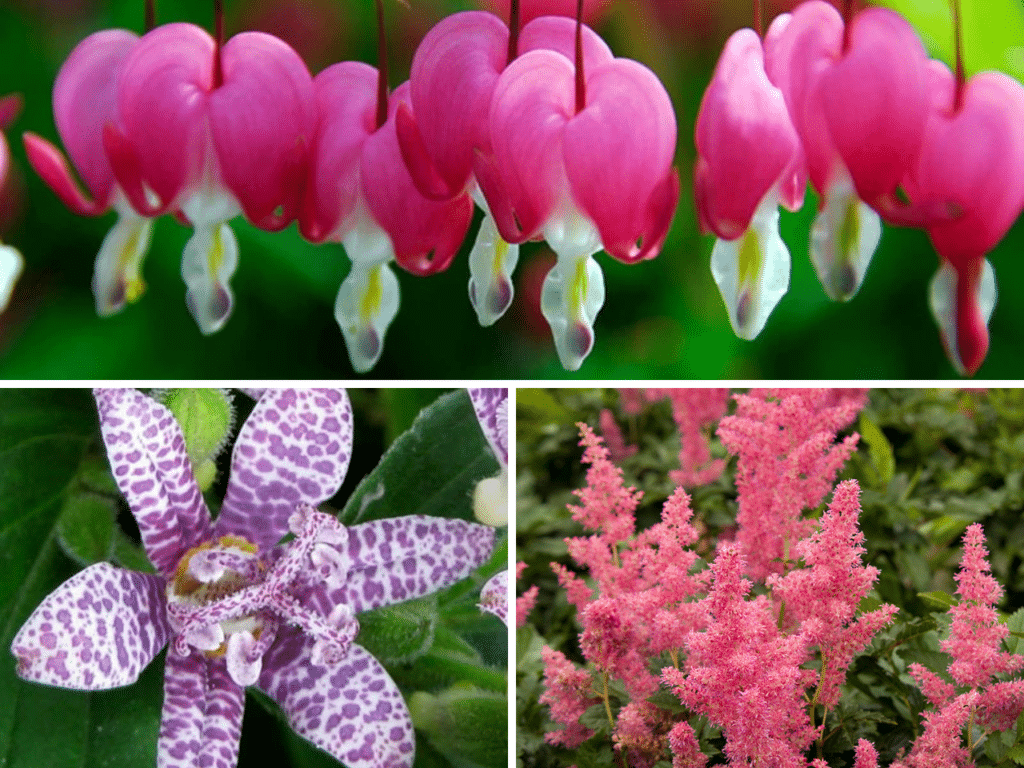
(150, 15)
(513, 32)
(958, 45)
(218, 69)
(758, 18)
(581, 81)
(382, 67)
(849, 7)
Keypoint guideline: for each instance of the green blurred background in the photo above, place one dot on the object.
(662, 319)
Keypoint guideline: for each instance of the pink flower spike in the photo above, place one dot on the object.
(748, 156)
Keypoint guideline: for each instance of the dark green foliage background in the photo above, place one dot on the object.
(662, 319)
(60, 511)
(929, 463)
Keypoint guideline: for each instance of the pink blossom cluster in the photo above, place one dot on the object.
(526, 601)
(742, 660)
(788, 457)
(974, 644)
(553, 136)
(694, 411)
(883, 133)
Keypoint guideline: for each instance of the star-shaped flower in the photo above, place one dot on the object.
(236, 607)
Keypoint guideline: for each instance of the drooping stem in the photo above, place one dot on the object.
(150, 21)
(581, 82)
(758, 18)
(958, 45)
(382, 67)
(513, 32)
(218, 35)
(848, 10)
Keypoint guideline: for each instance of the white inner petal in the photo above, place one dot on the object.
(752, 271)
(491, 262)
(942, 301)
(209, 261)
(117, 278)
(11, 266)
(844, 237)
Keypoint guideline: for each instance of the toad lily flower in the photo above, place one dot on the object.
(494, 596)
(11, 262)
(84, 101)
(211, 131)
(583, 151)
(490, 498)
(361, 194)
(748, 161)
(235, 607)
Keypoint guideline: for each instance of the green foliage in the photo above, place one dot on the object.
(929, 463)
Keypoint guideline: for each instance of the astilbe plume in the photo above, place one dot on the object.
(613, 438)
(643, 582)
(526, 601)
(744, 674)
(822, 598)
(975, 636)
(788, 461)
(568, 693)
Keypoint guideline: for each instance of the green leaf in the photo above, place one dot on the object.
(1016, 626)
(465, 723)
(399, 634)
(1016, 753)
(938, 600)
(595, 718)
(879, 449)
(85, 530)
(430, 470)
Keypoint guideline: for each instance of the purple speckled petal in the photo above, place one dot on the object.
(491, 406)
(97, 630)
(202, 717)
(400, 558)
(293, 449)
(494, 596)
(351, 709)
(147, 455)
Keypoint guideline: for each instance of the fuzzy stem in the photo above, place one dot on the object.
(958, 45)
(218, 23)
(513, 32)
(150, 21)
(382, 67)
(581, 82)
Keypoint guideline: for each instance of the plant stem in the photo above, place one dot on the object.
(150, 21)
(513, 32)
(382, 67)
(218, 24)
(958, 45)
(607, 701)
(759, 18)
(581, 82)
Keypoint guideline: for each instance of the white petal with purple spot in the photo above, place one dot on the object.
(293, 449)
(494, 596)
(147, 455)
(351, 709)
(491, 406)
(98, 630)
(202, 715)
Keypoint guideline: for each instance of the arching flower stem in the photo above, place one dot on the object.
(382, 67)
(513, 31)
(218, 36)
(581, 78)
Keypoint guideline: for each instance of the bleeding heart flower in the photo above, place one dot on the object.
(967, 190)
(211, 131)
(749, 160)
(84, 102)
(584, 165)
(11, 262)
(360, 193)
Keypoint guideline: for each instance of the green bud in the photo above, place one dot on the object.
(207, 417)
(464, 721)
